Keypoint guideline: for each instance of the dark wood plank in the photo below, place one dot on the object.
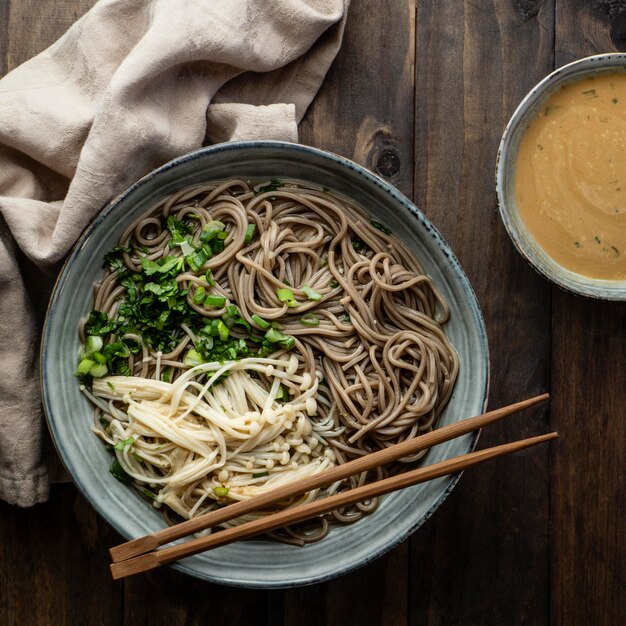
(32, 25)
(54, 564)
(364, 109)
(375, 594)
(589, 409)
(4, 36)
(170, 598)
(484, 557)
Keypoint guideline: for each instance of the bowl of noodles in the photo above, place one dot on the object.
(248, 315)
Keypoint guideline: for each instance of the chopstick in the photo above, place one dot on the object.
(152, 560)
(393, 453)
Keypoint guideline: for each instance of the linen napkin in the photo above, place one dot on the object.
(131, 85)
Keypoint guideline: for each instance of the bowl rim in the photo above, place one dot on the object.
(534, 255)
(396, 195)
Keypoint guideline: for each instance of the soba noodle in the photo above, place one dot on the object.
(247, 336)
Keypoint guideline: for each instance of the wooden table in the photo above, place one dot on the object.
(420, 93)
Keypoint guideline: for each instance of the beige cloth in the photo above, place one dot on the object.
(130, 86)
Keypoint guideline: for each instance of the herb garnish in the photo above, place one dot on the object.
(381, 227)
(154, 305)
(358, 244)
(273, 185)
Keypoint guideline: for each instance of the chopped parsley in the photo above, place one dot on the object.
(119, 472)
(273, 185)
(154, 305)
(358, 244)
(381, 227)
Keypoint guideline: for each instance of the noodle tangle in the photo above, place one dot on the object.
(334, 346)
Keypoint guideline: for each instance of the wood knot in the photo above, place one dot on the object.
(529, 9)
(379, 148)
(388, 163)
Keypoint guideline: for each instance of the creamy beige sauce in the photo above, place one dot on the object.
(570, 177)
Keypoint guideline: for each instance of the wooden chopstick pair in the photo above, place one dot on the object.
(140, 555)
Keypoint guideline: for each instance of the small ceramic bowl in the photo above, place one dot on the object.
(258, 563)
(505, 171)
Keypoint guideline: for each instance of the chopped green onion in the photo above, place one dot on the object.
(93, 344)
(187, 248)
(166, 376)
(310, 319)
(121, 445)
(275, 336)
(222, 330)
(333, 284)
(213, 229)
(99, 370)
(216, 301)
(209, 278)
(199, 257)
(260, 474)
(311, 294)
(232, 309)
(84, 366)
(208, 330)
(221, 492)
(260, 322)
(284, 295)
(283, 394)
(199, 294)
(98, 358)
(193, 358)
(249, 233)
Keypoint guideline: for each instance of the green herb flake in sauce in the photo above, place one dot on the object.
(615, 100)
(611, 251)
(597, 239)
(551, 109)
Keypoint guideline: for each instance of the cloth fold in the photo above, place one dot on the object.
(131, 85)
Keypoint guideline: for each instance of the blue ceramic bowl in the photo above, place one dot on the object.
(525, 243)
(258, 563)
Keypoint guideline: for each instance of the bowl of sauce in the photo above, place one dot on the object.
(561, 177)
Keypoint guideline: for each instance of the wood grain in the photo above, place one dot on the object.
(54, 566)
(33, 25)
(484, 558)
(589, 390)
(420, 92)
